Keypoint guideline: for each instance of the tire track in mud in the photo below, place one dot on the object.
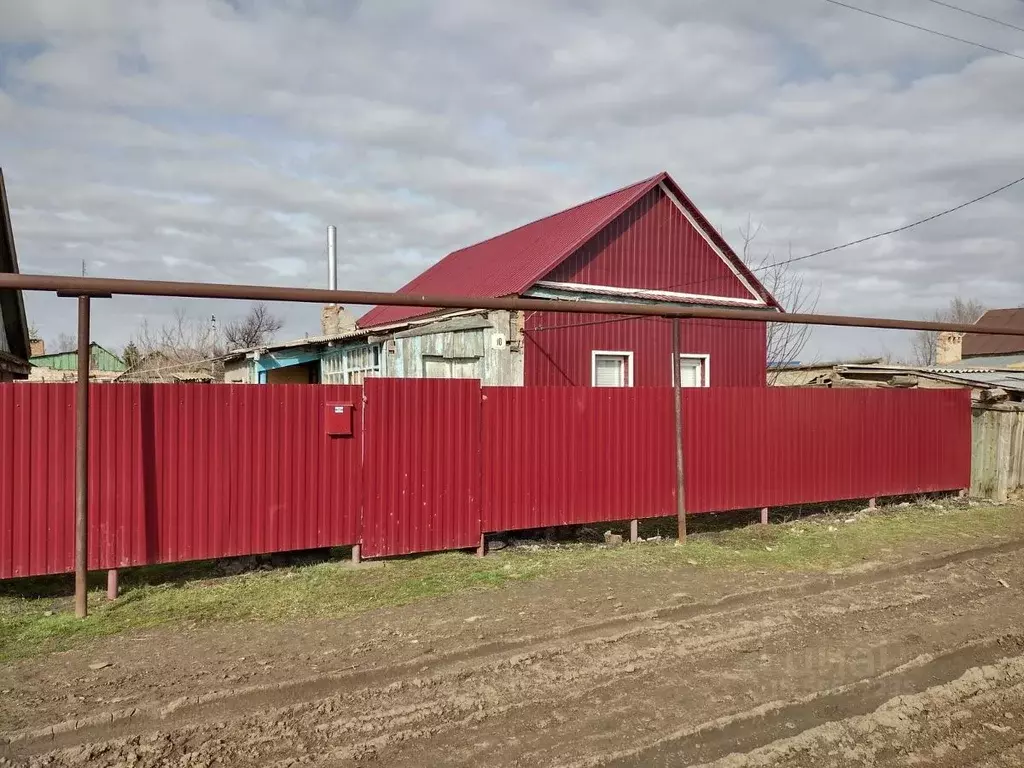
(497, 680)
(713, 743)
(235, 702)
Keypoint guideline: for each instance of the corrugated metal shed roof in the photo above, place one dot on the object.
(975, 344)
(510, 263)
(1012, 360)
(979, 378)
(100, 359)
(357, 333)
(1008, 380)
(12, 305)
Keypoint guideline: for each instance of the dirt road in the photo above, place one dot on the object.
(918, 663)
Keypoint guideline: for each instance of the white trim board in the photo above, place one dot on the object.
(709, 241)
(647, 292)
(618, 352)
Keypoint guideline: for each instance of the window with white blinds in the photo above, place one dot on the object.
(612, 369)
(694, 371)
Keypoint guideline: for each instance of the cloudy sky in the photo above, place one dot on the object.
(213, 140)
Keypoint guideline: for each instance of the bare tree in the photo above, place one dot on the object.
(182, 344)
(65, 342)
(785, 341)
(959, 310)
(253, 330)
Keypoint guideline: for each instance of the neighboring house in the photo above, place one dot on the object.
(14, 343)
(104, 365)
(473, 344)
(976, 349)
(645, 243)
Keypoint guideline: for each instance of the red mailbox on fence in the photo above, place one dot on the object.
(339, 419)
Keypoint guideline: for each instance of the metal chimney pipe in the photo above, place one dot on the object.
(332, 257)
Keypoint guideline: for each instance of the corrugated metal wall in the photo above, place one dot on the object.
(773, 447)
(558, 348)
(178, 472)
(184, 472)
(421, 466)
(561, 455)
(652, 246)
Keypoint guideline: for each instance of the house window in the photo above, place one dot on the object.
(694, 370)
(612, 369)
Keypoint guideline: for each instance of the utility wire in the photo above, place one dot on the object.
(823, 251)
(858, 241)
(905, 227)
(926, 29)
(977, 15)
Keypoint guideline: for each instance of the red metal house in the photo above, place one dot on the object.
(647, 243)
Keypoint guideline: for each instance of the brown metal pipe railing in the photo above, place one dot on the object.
(85, 287)
(117, 286)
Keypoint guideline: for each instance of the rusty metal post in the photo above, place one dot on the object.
(82, 462)
(764, 515)
(677, 402)
(112, 584)
(634, 530)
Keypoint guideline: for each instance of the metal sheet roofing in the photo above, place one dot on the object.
(12, 305)
(979, 378)
(510, 263)
(975, 344)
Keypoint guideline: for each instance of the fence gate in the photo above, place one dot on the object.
(421, 466)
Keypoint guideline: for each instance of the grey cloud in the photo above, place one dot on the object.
(211, 140)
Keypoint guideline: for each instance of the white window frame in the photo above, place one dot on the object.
(705, 358)
(617, 353)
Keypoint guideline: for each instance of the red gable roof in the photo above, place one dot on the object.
(510, 263)
(975, 344)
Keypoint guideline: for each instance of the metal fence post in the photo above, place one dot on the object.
(678, 405)
(82, 463)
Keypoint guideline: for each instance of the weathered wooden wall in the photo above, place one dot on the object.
(997, 450)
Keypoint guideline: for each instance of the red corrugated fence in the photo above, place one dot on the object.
(186, 472)
(776, 446)
(422, 466)
(177, 472)
(567, 455)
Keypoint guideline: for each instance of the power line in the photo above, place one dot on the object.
(925, 29)
(977, 15)
(823, 251)
(905, 227)
(858, 241)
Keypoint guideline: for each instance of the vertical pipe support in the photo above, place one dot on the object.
(634, 530)
(481, 548)
(357, 556)
(764, 515)
(871, 503)
(82, 462)
(112, 589)
(678, 408)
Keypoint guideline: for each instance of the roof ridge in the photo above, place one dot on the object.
(564, 211)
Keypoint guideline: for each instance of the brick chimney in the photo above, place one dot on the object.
(335, 319)
(36, 347)
(948, 347)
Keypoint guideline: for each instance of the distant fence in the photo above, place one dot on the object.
(185, 472)
(997, 452)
